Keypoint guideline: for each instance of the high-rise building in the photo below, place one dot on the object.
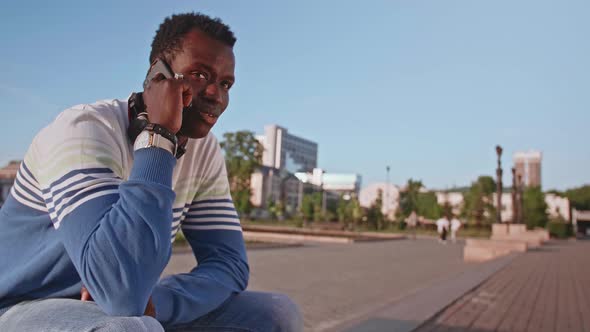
(286, 151)
(528, 165)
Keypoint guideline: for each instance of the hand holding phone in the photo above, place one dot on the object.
(165, 97)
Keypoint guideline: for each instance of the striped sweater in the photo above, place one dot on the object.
(86, 209)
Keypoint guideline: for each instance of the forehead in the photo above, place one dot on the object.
(199, 48)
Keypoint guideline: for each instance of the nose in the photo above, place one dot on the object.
(212, 94)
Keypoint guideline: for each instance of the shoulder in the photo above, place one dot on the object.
(110, 113)
(82, 136)
(103, 120)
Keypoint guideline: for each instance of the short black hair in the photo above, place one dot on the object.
(168, 39)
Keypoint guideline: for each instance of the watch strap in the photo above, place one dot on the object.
(160, 130)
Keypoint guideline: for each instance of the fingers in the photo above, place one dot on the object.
(150, 309)
(187, 94)
(85, 295)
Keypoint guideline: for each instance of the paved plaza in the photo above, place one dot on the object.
(399, 286)
(543, 290)
(338, 283)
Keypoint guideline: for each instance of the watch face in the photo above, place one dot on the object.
(142, 140)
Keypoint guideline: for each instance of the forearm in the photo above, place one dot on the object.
(223, 270)
(185, 297)
(120, 242)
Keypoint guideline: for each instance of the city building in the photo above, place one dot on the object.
(7, 176)
(283, 155)
(336, 183)
(557, 206)
(581, 222)
(453, 198)
(528, 166)
(290, 169)
(283, 150)
(389, 192)
(269, 184)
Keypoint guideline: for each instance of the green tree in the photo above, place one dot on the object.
(446, 210)
(375, 216)
(409, 197)
(343, 210)
(311, 207)
(579, 197)
(423, 203)
(478, 201)
(428, 205)
(356, 211)
(535, 208)
(276, 209)
(243, 155)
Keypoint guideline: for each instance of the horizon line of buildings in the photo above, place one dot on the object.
(290, 170)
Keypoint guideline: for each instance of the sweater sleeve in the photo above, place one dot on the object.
(117, 233)
(212, 227)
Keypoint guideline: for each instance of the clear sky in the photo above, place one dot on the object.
(427, 87)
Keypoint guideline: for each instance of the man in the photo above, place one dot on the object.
(442, 226)
(412, 222)
(95, 209)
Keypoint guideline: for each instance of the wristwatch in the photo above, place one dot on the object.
(153, 137)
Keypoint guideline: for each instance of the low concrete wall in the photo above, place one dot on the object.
(542, 233)
(532, 240)
(292, 238)
(479, 250)
(505, 238)
(499, 229)
(516, 229)
(518, 232)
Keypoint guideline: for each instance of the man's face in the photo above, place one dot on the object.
(208, 65)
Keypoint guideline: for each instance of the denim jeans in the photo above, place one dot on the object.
(247, 311)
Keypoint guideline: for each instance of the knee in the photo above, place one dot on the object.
(281, 313)
(128, 324)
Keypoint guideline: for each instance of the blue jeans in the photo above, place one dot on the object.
(247, 312)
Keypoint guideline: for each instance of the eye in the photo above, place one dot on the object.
(226, 85)
(200, 75)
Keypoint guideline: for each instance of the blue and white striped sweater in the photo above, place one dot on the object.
(86, 209)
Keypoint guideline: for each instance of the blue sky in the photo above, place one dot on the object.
(427, 87)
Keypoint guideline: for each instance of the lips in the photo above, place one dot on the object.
(207, 118)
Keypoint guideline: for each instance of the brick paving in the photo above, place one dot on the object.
(333, 283)
(547, 289)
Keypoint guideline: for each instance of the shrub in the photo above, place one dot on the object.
(559, 229)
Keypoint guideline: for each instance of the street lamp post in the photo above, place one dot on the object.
(520, 194)
(515, 202)
(386, 203)
(499, 185)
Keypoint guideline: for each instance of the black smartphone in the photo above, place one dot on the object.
(159, 67)
(138, 117)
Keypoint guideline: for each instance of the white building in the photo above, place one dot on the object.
(283, 155)
(556, 205)
(286, 151)
(454, 199)
(391, 196)
(338, 183)
(271, 184)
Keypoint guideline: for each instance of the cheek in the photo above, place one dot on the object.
(225, 99)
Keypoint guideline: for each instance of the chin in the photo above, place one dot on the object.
(197, 130)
